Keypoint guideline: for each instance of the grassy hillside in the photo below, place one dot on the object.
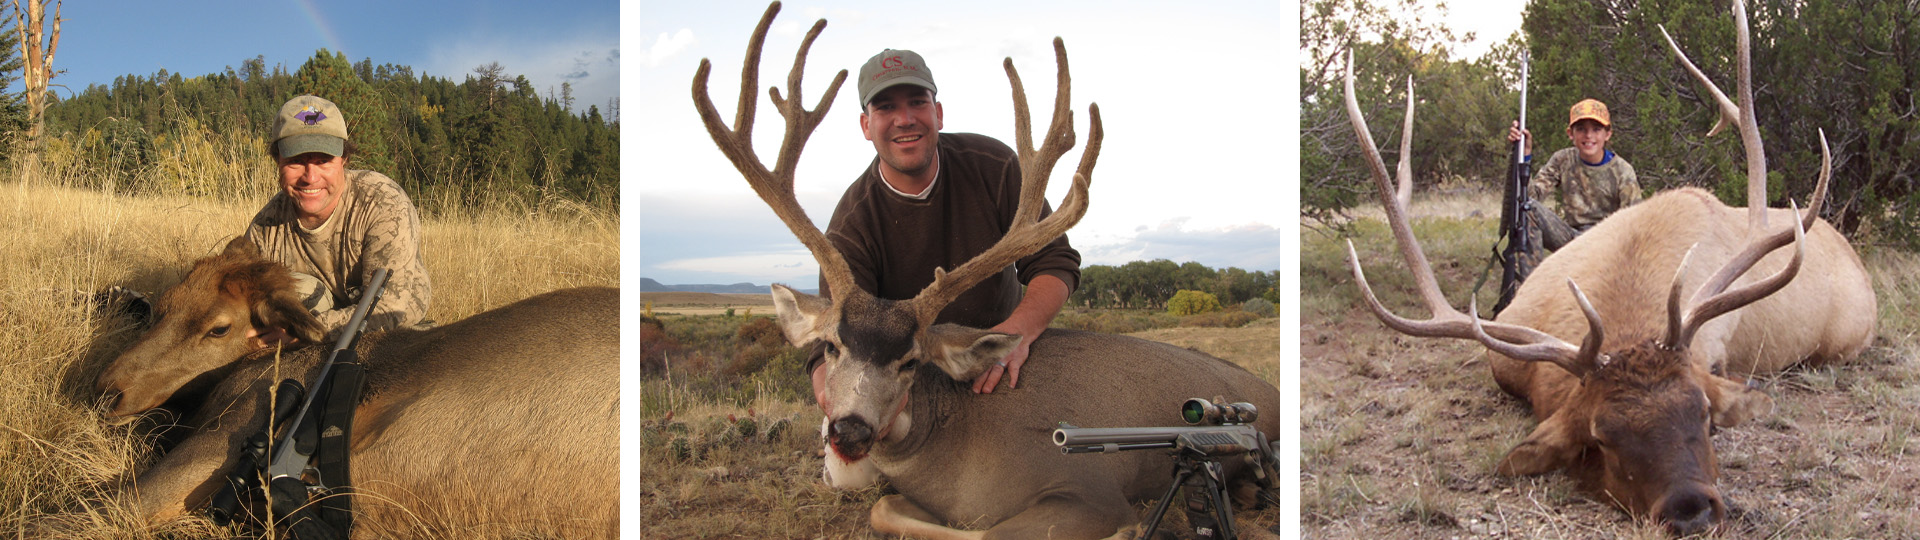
(59, 464)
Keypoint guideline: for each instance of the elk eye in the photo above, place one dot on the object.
(219, 331)
(909, 365)
(832, 350)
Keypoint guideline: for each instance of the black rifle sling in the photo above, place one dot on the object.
(336, 443)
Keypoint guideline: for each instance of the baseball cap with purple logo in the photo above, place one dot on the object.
(310, 124)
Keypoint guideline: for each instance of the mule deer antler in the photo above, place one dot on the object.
(776, 186)
(1028, 232)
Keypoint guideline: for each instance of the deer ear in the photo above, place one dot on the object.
(282, 309)
(1552, 446)
(964, 353)
(797, 312)
(1732, 402)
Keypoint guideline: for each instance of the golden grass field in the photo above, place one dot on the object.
(1401, 435)
(59, 464)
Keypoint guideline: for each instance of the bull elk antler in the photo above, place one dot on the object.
(1028, 232)
(1520, 342)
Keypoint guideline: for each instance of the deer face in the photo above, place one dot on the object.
(212, 318)
(1637, 431)
(874, 349)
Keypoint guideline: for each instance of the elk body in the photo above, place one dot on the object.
(893, 382)
(1630, 410)
(507, 418)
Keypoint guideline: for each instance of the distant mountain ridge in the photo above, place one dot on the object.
(651, 285)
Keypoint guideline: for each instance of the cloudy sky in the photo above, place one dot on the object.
(576, 41)
(1190, 96)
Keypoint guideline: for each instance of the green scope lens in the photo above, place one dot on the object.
(1194, 411)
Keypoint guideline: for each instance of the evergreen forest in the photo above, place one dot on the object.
(481, 139)
(1848, 68)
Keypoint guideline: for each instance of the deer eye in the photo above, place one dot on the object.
(832, 350)
(219, 331)
(909, 365)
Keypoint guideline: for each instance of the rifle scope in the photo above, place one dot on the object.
(1200, 412)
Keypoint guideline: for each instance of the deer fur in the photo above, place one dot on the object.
(507, 419)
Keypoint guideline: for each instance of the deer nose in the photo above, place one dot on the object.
(1688, 512)
(850, 433)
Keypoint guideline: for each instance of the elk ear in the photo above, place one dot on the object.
(964, 353)
(1732, 402)
(1553, 446)
(241, 247)
(797, 312)
(282, 309)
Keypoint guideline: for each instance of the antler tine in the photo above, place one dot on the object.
(776, 186)
(1028, 232)
(1718, 303)
(1558, 352)
(1446, 321)
(1742, 116)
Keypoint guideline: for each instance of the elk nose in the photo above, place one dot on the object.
(1688, 512)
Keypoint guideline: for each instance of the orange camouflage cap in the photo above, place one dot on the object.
(1589, 109)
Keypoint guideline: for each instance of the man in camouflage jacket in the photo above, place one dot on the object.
(1593, 181)
(333, 226)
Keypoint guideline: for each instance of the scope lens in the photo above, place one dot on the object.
(1194, 411)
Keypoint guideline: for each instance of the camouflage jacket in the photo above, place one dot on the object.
(375, 226)
(1588, 193)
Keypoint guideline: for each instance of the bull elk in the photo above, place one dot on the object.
(1629, 410)
(507, 419)
(895, 389)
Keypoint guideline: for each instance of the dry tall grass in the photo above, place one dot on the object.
(59, 465)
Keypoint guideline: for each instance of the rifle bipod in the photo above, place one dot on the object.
(1207, 510)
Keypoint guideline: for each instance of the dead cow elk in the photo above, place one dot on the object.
(506, 421)
(1630, 410)
(895, 386)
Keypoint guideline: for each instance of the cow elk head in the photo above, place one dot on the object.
(211, 319)
(875, 346)
(1637, 423)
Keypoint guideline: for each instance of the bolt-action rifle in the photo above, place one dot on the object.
(1217, 432)
(1516, 262)
(307, 477)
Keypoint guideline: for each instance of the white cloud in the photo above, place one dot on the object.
(795, 267)
(668, 45)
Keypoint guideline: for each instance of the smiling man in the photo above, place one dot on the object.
(1592, 180)
(333, 226)
(934, 200)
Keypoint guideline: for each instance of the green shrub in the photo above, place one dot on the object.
(1219, 319)
(1188, 302)
(1259, 306)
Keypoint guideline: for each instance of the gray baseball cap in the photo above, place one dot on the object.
(890, 68)
(310, 124)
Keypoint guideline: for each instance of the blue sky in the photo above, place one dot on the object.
(1192, 164)
(548, 42)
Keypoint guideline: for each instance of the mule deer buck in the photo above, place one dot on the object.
(895, 388)
(1629, 410)
(507, 419)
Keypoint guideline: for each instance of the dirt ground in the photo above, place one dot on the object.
(1401, 435)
